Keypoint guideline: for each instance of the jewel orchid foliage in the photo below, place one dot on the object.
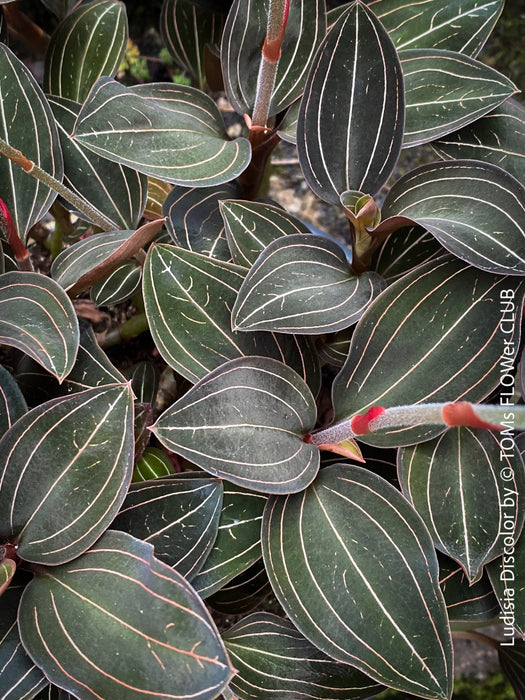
(291, 464)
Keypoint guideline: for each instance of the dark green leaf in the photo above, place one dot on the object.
(179, 517)
(118, 192)
(497, 138)
(37, 317)
(466, 603)
(475, 210)
(168, 629)
(303, 284)
(512, 660)
(12, 402)
(251, 226)
(27, 125)
(194, 221)
(169, 131)
(354, 568)
(144, 378)
(189, 298)
(238, 543)
(457, 25)
(245, 421)
(350, 127)
(334, 348)
(63, 484)
(404, 250)
(7, 571)
(445, 90)
(288, 127)
(275, 660)
(441, 340)
(454, 484)
(507, 575)
(243, 593)
(119, 285)
(152, 463)
(241, 47)
(21, 679)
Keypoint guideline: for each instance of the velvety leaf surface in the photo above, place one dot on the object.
(331, 552)
(245, 421)
(441, 340)
(454, 484)
(116, 191)
(404, 250)
(88, 43)
(242, 42)
(27, 124)
(273, 659)
(507, 575)
(144, 378)
(63, 483)
(238, 542)
(288, 127)
(119, 285)
(167, 628)
(475, 210)
(251, 226)
(243, 593)
(497, 138)
(334, 348)
(169, 131)
(37, 317)
(466, 603)
(189, 299)
(303, 285)
(179, 517)
(349, 137)
(445, 90)
(12, 402)
(21, 678)
(457, 25)
(194, 221)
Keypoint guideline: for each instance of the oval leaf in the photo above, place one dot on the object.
(349, 137)
(245, 421)
(56, 501)
(454, 484)
(445, 90)
(338, 555)
(29, 126)
(466, 603)
(169, 131)
(507, 575)
(440, 340)
(475, 210)
(238, 542)
(404, 250)
(496, 138)
(179, 517)
(37, 317)
(303, 285)
(12, 402)
(64, 608)
(119, 285)
(275, 660)
(243, 593)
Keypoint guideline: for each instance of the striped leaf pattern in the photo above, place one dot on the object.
(64, 608)
(116, 191)
(157, 193)
(238, 542)
(12, 402)
(186, 28)
(303, 285)
(475, 210)
(119, 285)
(507, 575)
(194, 221)
(188, 300)
(21, 677)
(88, 43)
(179, 517)
(144, 378)
(330, 553)
(274, 660)
(172, 132)
(288, 127)
(37, 317)
(73, 262)
(457, 25)
(251, 226)
(404, 250)
(334, 349)
(454, 484)
(512, 660)
(57, 501)
(7, 571)
(153, 463)
(445, 90)
(241, 47)
(27, 124)
(465, 602)
(267, 410)
(440, 341)
(350, 126)
(496, 138)
(243, 593)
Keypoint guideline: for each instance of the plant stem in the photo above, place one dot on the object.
(31, 168)
(20, 251)
(131, 328)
